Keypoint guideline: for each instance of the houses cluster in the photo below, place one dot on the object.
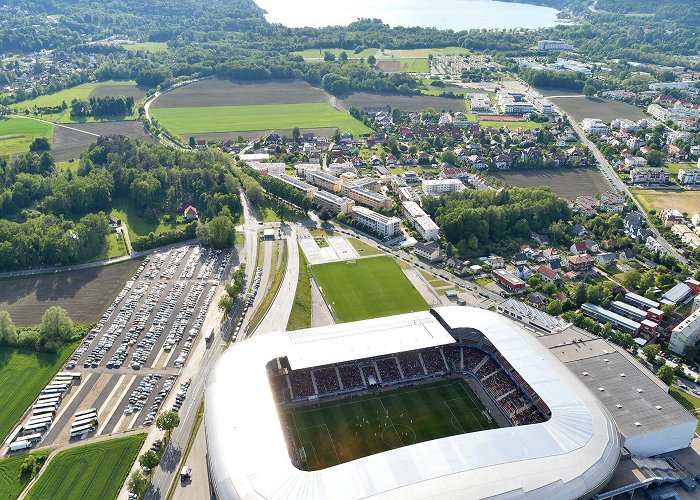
(37, 70)
(609, 202)
(682, 112)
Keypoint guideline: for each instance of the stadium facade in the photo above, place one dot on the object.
(572, 454)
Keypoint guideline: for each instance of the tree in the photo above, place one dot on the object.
(56, 325)
(650, 352)
(343, 56)
(167, 421)
(588, 90)
(579, 294)
(193, 143)
(666, 374)
(39, 144)
(8, 331)
(296, 134)
(655, 158)
(554, 307)
(149, 460)
(371, 60)
(138, 483)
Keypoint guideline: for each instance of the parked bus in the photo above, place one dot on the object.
(33, 438)
(53, 391)
(43, 412)
(88, 419)
(38, 427)
(52, 385)
(45, 398)
(38, 419)
(61, 380)
(14, 434)
(81, 431)
(49, 404)
(85, 412)
(75, 376)
(209, 336)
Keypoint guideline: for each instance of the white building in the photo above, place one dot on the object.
(337, 169)
(554, 45)
(689, 176)
(304, 168)
(594, 126)
(435, 187)
(421, 221)
(386, 226)
(369, 198)
(269, 168)
(407, 193)
(686, 333)
(336, 204)
(513, 103)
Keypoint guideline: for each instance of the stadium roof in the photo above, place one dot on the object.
(571, 455)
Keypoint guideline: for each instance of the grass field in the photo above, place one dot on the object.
(82, 91)
(16, 134)
(690, 403)
(122, 209)
(338, 432)
(367, 288)
(11, 482)
(85, 294)
(403, 102)
(114, 248)
(300, 316)
(202, 120)
(23, 374)
(414, 65)
(512, 125)
(684, 201)
(566, 182)
(147, 46)
(363, 248)
(95, 471)
(675, 167)
(316, 54)
(605, 109)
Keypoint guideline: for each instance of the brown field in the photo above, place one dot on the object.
(137, 93)
(84, 294)
(605, 109)
(684, 201)
(388, 66)
(403, 102)
(219, 92)
(68, 144)
(566, 182)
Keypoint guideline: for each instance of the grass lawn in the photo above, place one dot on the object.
(232, 119)
(684, 201)
(483, 281)
(81, 91)
(23, 374)
(114, 248)
(367, 288)
(338, 432)
(413, 168)
(122, 209)
(95, 471)
(66, 166)
(690, 403)
(512, 125)
(675, 167)
(16, 134)
(147, 46)
(11, 482)
(415, 65)
(363, 248)
(301, 307)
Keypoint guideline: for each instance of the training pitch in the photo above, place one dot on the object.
(341, 431)
(367, 288)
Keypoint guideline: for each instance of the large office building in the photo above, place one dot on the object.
(379, 223)
(686, 333)
(421, 221)
(436, 187)
(336, 204)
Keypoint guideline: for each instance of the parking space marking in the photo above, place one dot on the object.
(113, 402)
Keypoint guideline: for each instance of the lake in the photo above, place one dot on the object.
(451, 14)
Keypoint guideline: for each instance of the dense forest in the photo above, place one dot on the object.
(103, 106)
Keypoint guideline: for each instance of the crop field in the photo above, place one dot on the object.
(16, 134)
(403, 102)
(367, 288)
(605, 109)
(220, 92)
(69, 143)
(147, 46)
(683, 201)
(11, 482)
(85, 294)
(566, 182)
(95, 471)
(341, 431)
(23, 374)
(82, 91)
(202, 120)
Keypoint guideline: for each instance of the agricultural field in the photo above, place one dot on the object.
(317, 54)
(95, 471)
(23, 374)
(367, 288)
(683, 201)
(16, 134)
(566, 182)
(85, 294)
(403, 102)
(68, 143)
(11, 482)
(82, 91)
(234, 119)
(147, 46)
(340, 431)
(415, 65)
(605, 109)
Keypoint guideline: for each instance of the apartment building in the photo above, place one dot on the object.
(302, 186)
(334, 203)
(379, 223)
(369, 198)
(435, 187)
(421, 221)
(324, 180)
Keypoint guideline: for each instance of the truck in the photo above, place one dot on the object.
(185, 473)
(209, 336)
(20, 445)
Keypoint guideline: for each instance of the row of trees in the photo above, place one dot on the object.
(103, 106)
(55, 330)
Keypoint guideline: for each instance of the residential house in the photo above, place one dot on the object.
(190, 213)
(550, 254)
(580, 262)
(605, 259)
(671, 216)
(627, 255)
(523, 272)
(496, 262)
(429, 251)
(520, 259)
(578, 248)
(578, 230)
(542, 239)
(548, 274)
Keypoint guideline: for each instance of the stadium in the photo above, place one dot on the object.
(454, 402)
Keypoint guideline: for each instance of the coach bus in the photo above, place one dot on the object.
(209, 336)
(40, 419)
(88, 419)
(75, 376)
(14, 434)
(85, 412)
(45, 406)
(38, 427)
(47, 398)
(43, 412)
(81, 431)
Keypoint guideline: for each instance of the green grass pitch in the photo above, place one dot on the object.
(95, 471)
(340, 431)
(220, 119)
(367, 288)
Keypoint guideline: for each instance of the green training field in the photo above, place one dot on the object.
(339, 432)
(232, 119)
(16, 134)
(367, 288)
(11, 482)
(23, 374)
(95, 471)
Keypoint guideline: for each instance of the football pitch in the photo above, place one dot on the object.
(367, 288)
(340, 431)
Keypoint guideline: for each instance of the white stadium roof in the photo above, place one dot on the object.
(571, 455)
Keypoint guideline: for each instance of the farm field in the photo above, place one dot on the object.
(605, 109)
(566, 182)
(82, 91)
(403, 102)
(85, 294)
(95, 471)
(340, 431)
(69, 143)
(683, 201)
(414, 65)
(11, 482)
(147, 46)
(23, 374)
(16, 134)
(233, 119)
(367, 288)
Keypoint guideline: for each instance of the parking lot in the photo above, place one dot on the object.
(131, 359)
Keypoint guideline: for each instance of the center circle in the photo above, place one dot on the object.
(398, 435)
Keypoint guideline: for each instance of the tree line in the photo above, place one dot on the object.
(103, 106)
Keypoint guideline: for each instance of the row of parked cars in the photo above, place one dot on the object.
(176, 257)
(181, 395)
(256, 285)
(177, 330)
(196, 328)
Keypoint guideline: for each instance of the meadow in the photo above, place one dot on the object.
(300, 316)
(593, 107)
(510, 124)
(202, 120)
(95, 471)
(137, 225)
(147, 46)
(11, 482)
(16, 134)
(23, 374)
(82, 91)
(684, 201)
(367, 288)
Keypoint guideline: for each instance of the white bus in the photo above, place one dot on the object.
(81, 431)
(74, 375)
(49, 398)
(40, 419)
(38, 427)
(209, 336)
(14, 434)
(62, 386)
(85, 412)
(44, 411)
(33, 438)
(61, 380)
(41, 405)
(88, 419)
(53, 391)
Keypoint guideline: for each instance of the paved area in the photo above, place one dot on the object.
(338, 248)
(198, 486)
(320, 313)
